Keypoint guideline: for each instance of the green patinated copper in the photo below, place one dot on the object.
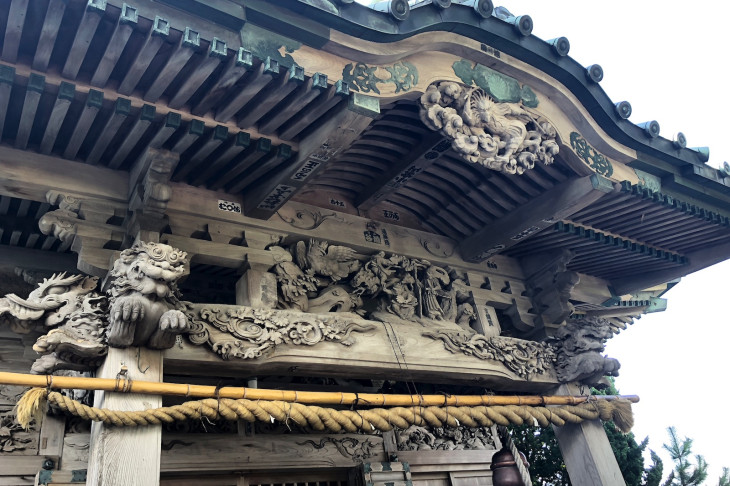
(264, 43)
(593, 158)
(504, 89)
(651, 182)
(361, 77)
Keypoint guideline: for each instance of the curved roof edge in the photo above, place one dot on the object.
(363, 22)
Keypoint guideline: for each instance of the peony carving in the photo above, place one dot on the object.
(524, 358)
(500, 136)
(247, 333)
(144, 298)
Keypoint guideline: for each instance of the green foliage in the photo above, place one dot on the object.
(654, 473)
(684, 473)
(725, 478)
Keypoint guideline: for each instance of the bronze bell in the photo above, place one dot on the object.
(504, 469)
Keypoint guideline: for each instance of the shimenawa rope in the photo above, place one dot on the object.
(33, 403)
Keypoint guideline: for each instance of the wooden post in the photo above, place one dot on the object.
(586, 451)
(126, 456)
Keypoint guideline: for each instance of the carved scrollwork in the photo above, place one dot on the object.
(524, 358)
(501, 136)
(246, 333)
(356, 449)
(418, 438)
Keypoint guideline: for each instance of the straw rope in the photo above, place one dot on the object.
(32, 404)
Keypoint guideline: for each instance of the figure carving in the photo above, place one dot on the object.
(500, 136)
(579, 345)
(321, 258)
(419, 438)
(246, 333)
(144, 298)
(75, 314)
(524, 358)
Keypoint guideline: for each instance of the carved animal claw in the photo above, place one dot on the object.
(174, 321)
(129, 309)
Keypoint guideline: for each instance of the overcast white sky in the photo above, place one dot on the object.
(669, 59)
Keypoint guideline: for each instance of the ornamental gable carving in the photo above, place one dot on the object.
(502, 136)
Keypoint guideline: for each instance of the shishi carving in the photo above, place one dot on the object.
(579, 345)
(426, 438)
(500, 136)
(75, 314)
(144, 298)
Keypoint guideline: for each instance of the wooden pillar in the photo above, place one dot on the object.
(126, 456)
(586, 451)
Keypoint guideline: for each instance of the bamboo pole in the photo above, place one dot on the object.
(122, 385)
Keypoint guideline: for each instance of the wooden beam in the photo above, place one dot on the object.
(252, 154)
(214, 139)
(237, 145)
(216, 54)
(84, 34)
(189, 43)
(27, 175)
(195, 130)
(236, 68)
(322, 145)
(146, 54)
(29, 259)
(271, 96)
(49, 32)
(93, 104)
(7, 78)
(319, 107)
(255, 82)
(586, 451)
(169, 125)
(697, 261)
(307, 92)
(14, 30)
(123, 30)
(126, 455)
(119, 113)
(144, 120)
(423, 155)
(66, 95)
(541, 212)
(282, 153)
(33, 93)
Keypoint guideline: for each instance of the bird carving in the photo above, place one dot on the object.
(321, 258)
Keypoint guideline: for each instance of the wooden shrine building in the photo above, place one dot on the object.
(316, 195)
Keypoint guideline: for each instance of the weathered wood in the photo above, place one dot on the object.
(559, 202)
(324, 144)
(7, 77)
(144, 120)
(169, 125)
(216, 54)
(155, 39)
(51, 439)
(194, 131)
(237, 145)
(282, 153)
(14, 30)
(214, 139)
(271, 96)
(49, 32)
(82, 40)
(236, 68)
(184, 50)
(586, 451)
(420, 157)
(118, 116)
(307, 92)
(34, 90)
(66, 94)
(255, 82)
(250, 156)
(93, 104)
(122, 32)
(126, 455)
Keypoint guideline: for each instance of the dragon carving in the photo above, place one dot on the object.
(74, 315)
(500, 136)
(144, 298)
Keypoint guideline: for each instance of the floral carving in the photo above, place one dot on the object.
(12, 435)
(596, 160)
(524, 358)
(501, 136)
(246, 333)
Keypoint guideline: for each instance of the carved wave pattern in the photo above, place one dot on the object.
(246, 333)
(524, 358)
